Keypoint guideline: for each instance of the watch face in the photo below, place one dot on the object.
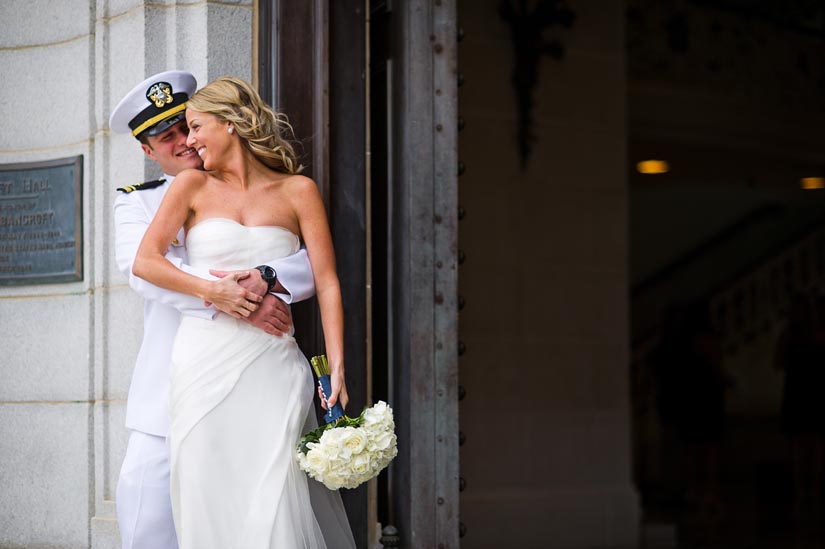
(268, 275)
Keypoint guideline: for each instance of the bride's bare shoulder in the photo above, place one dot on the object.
(300, 185)
(191, 176)
(190, 180)
(188, 183)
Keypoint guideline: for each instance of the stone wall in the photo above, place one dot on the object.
(68, 349)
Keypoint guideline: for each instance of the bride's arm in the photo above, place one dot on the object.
(312, 220)
(151, 265)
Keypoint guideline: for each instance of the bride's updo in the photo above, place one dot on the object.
(264, 131)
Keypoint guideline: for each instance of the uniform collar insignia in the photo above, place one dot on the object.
(143, 186)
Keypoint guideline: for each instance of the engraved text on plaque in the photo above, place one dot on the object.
(40, 222)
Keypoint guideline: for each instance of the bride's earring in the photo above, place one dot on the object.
(231, 129)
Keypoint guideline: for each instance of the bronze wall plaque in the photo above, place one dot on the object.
(41, 222)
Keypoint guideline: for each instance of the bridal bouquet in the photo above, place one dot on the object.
(349, 451)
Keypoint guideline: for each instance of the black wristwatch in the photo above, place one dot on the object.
(269, 276)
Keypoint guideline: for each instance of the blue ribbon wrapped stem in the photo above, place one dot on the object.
(321, 367)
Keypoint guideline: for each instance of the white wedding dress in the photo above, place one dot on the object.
(240, 401)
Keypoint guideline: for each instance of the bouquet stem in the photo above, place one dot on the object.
(321, 367)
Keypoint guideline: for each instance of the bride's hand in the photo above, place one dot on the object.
(339, 391)
(252, 282)
(231, 298)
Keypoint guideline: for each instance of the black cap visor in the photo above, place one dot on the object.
(151, 117)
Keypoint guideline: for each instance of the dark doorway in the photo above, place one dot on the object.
(312, 67)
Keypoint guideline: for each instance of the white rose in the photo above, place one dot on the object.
(355, 441)
(333, 440)
(332, 437)
(360, 464)
(317, 459)
(338, 442)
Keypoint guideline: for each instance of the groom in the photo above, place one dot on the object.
(153, 112)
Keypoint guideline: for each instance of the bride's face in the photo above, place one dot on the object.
(209, 136)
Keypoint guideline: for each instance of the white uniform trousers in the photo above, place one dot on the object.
(144, 508)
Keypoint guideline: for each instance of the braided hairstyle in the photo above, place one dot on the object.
(265, 132)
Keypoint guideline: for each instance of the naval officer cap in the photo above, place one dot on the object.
(154, 105)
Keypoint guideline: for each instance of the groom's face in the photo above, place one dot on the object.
(170, 151)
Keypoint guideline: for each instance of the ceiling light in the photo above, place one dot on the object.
(653, 166)
(809, 183)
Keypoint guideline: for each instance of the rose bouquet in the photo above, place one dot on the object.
(347, 452)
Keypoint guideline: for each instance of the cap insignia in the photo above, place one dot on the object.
(160, 93)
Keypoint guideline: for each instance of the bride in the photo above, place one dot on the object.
(240, 398)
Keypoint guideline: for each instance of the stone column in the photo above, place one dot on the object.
(47, 330)
(69, 348)
(134, 41)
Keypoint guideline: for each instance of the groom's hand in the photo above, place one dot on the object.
(272, 316)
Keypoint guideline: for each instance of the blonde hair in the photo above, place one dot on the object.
(265, 132)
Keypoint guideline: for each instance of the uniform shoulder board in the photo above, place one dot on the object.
(143, 186)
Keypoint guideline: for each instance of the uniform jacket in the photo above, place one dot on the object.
(147, 408)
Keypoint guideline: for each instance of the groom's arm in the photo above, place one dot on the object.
(295, 280)
(295, 283)
(131, 221)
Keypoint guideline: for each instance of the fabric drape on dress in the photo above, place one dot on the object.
(240, 400)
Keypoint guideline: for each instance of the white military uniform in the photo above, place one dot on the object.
(143, 502)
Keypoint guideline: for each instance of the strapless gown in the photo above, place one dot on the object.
(240, 401)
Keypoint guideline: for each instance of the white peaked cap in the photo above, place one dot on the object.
(154, 105)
